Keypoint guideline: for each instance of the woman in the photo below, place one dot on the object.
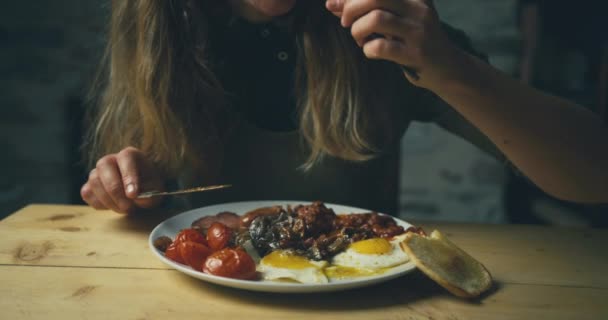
(207, 93)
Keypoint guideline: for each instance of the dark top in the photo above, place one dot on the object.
(256, 63)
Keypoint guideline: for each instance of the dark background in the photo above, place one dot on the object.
(50, 51)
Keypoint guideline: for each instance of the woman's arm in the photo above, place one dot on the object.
(559, 145)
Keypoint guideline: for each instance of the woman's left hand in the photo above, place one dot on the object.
(407, 32)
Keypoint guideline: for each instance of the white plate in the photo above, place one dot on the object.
(173, 225)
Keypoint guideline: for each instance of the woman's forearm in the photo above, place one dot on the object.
(560, 146)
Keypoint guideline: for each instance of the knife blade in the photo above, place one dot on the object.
(151, 194)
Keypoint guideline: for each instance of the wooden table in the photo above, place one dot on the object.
(70, 262)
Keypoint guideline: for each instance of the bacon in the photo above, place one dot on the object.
(229, 219)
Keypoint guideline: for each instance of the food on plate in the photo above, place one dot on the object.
(287, 265)
(174, 250)
(172, 253)
(289, 244)
(230, 263)
(314, 245)
(162, 243)
(191, 235)
(375, 253)
(265, 211)
(229, 219)
(367, 258)
(447, 264)
(315, 231)
(194, 254)
(219, 236)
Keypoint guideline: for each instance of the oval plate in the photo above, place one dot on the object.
(173, 225)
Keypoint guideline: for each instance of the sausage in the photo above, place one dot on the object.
(265, 211)
(162, 243)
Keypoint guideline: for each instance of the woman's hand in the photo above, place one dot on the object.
(118, 178)
(407, 32)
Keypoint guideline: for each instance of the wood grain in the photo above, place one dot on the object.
(71, 262)
(80, 236)
(99, 293)
(535, 254)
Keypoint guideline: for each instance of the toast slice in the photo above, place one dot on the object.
(447, 264)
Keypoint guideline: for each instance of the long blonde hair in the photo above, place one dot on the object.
(159, 92)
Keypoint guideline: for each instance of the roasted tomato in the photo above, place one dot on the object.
(190, 235)
(194, 254)
(230, 263)
(218, 236)
(173, 253)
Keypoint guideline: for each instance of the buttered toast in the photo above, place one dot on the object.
(447, 264)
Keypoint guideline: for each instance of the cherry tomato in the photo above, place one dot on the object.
(173, 253)
(173, 250)
(230, 263)
(218, 236)
(190, 235)
(194, 254)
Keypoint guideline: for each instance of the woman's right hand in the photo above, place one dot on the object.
(119, 178)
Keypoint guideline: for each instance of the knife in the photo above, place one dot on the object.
(151, 194)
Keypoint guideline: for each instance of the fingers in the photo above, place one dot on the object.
(128, 160)
(383, 35)
(99, 192)
(407, 32)
(86, 192)
(355, 9)
(111, 179)
(117, 180)
(380, 22)
(94, 193)
(334, 7)
(383, 48)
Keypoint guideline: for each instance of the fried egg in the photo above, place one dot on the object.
(367, 257)
(283, 265)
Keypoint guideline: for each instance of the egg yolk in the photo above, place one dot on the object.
(338, 272)
(372, 246)
(287, 260)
